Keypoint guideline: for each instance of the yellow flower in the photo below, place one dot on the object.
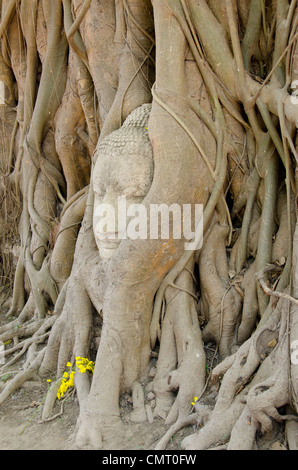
(65, 385)
(194, 402)
(49, 380)
(83, 364)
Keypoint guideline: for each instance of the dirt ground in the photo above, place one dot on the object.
(21, 427)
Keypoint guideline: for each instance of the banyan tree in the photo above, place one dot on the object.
(166, 103)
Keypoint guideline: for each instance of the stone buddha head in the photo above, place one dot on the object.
(124, 169)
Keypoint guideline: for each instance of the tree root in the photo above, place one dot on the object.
(265, 397)
(18, 298)
(98, 432)
(263, 393)
(139, 414)
(180, 424)
(50, 401)
(29, 373)
(292, 434)
(267, 290)
(36, 333)
(220, 302)
(41, 283)
(183, 369)
(64, 244)
(71, 330)
(52, 418)
(250, 305)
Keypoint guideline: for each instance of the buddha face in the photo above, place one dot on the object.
(115, 176)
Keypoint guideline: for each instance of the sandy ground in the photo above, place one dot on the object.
(21, 427)
(17, 432)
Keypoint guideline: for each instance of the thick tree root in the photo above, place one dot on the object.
(250, 305)
(182, 363)
(139, 414)
(220, 302)
(292, 434)
(99, 432)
